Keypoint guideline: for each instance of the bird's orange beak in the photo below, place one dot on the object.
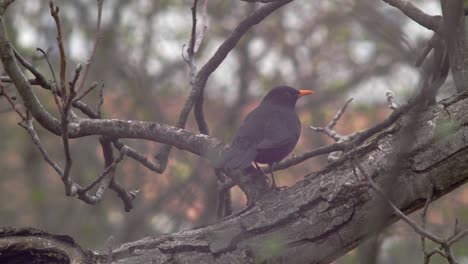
(304, 92)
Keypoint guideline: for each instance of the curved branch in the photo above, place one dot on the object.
(23, 86)
(416, 14)
(231, 41)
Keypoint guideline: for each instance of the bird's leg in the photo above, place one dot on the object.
(260, 170)
(273, 183)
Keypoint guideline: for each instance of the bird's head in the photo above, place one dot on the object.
(284, 96)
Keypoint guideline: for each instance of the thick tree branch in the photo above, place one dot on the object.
(455, 36)
(327, 214)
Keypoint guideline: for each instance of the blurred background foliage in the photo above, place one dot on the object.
(340, 49)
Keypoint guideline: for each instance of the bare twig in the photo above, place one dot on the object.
(100, 100)
(127, 197)
(28, 126)
(191, 50)
(68, 159)
(330, 131)
(11, 101)
(54, 12)
(423, 225)
(64, 125)
(427, 49)
(416, 14)
(6, 79)
(41, 80)
(193, 36)
(48, 63)
(44, 83)
(83, 195)
(201, 33)
(91, 88)
(444, 248)
(93, 51)
(109, 170)
(339, 146)
(134, 154)
(397, 211)
(39, 77)
(74, 80)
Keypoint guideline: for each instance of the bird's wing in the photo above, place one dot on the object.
(281, 128)
(242, 151)
(239, 155)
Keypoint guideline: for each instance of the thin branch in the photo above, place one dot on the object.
(93, 51)
(28, 126)
(427, 49)
(329, 129)
(41, 80)
(461, 234)
(54, 12)
(204, 26)
(64, 124)
(347, 143)
(191, 50)
(193, 36)
(106, 172)
(416, 14)
(423, 225)
(48, 63)
(68, 159)
(6, 79)
(11, 101)
(44, 83)
(72, 84)
(310, 154)
(134, 154)
(100, 100)
(85, 109)
(127, 197)
(397, 211)
(39, 77)
(91, 88)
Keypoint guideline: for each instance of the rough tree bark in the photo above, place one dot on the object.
(321, 217)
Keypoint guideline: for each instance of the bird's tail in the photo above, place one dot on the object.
(238, 156)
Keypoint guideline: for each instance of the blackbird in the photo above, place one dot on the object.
(268, 134)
